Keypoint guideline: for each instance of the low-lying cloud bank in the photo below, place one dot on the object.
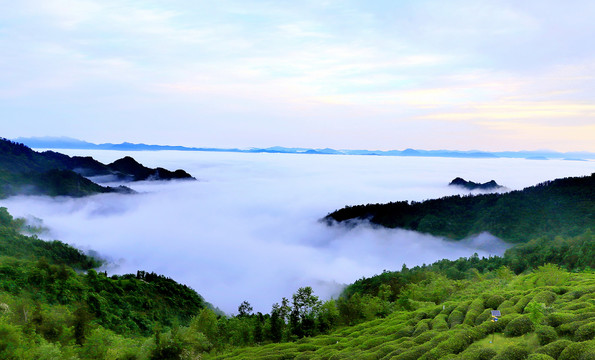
(249, 228)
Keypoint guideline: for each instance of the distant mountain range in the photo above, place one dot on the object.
(70, 143)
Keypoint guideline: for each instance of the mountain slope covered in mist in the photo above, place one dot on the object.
(559, 207)
(24, 171)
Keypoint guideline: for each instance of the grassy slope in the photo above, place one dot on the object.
(461, 328)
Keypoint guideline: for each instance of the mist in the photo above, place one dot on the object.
(249, 228)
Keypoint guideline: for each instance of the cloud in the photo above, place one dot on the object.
(249, 229)
(322, 69)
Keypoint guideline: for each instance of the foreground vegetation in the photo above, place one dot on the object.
(49, 309)
(55, 305)
(548, 314)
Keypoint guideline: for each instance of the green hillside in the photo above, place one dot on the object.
(53, 305)
(548, 314)
(553, 208)
(25, 171)
(49, 310)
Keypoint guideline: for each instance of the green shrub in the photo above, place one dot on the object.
(415, 353)
(520, 305)
(439, 322)
(570, 328)
(463, 306)
(554, 349)
(560, 290)
(307, 347)
(585, 332)
(586, 315)
(304, 356)
(421, 327)
(405, 331)
(375, 341)
(10, 340)
(434, 311)
(384, 350)
(420, 315)
(579, 351)
(483, 317)
(479, 354)
(487, 327)
(507, 307)
(494, 301)
(513, 352)
(454, 344)
(456, 317)
(535, 356)
(576, 294)
(503, 321)
(447, 308)
(519, 326)
(425, 336)
(474, 310)
(571, 306)
(558, 318)
(546, 334)
(547, 297)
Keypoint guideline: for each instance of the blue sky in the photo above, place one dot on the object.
(487, 75)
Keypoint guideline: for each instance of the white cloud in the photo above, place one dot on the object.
(270, 62)
(249, 230)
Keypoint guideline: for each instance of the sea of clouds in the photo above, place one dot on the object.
(249, 228)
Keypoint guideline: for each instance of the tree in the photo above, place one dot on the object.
(303, 314)
(81, 325)
(206, 323)
(258, 328)
(328, 316)
(245, 309)
(277, 323)
(351, 309)
(536, 311)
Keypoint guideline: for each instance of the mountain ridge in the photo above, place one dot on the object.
(558, 207)
(25, 171)
(70, 143)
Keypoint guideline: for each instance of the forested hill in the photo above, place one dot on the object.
(43, 279)
(559, 207)
(25, 171)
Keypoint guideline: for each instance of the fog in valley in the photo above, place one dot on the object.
(249, 228)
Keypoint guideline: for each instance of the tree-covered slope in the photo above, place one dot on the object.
(24, 171)
(15, 245)
(558, 207)
(47, 273)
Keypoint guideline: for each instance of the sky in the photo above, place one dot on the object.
(249, 228)
(426, 74)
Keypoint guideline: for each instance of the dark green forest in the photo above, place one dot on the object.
(562, 207)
